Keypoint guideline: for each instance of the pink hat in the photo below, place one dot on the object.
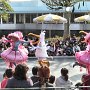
(19, 34)
(13, 35)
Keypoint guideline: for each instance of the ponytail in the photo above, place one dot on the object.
(66, 77)
(64, 73)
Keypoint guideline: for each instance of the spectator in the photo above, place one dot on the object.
(19, 79)
(73, 38)
(69, 50)
(8, 74)
(35, 76)
(63, 80)
(86, 81)
(26, 38)
(82, 46)
(51, 50)
(76, 48)
(82, 38)
(44, 73)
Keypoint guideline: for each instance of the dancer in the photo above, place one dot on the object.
(83, 57)
(41, 49)
(17, 53)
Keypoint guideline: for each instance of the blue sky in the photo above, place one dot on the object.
(37, 6)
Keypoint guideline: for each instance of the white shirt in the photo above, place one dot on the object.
(60, 82)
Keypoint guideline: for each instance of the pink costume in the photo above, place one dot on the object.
(17, 53)
(83, 57)
(41, 50)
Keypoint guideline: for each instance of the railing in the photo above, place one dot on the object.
(48, 88)
(34, 26)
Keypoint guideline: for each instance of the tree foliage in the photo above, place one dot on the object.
(60, 4)
(4, 9)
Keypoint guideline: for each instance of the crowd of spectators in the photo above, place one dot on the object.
(55, 48)
(41, 79)
(67, 47)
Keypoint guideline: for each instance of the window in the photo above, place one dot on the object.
(11, 18)
(19, 18)
(27, 16)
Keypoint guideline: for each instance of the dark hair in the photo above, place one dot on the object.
(34, 70)
(64, 73)
(44, 72)
(20, 72)
(51, 79)
(9, 73)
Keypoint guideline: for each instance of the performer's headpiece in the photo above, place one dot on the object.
(13, 35)
(19, 34)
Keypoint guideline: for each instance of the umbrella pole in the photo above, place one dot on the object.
(42, 26)
(50, 34)
(50, 31)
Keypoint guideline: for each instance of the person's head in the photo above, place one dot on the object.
(64, 73)
(8, 73)
(44, 74)
(35, 70)
(84, 77)
(21, 71)
(51, 79)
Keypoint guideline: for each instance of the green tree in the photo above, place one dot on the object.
(64, 4)
(4, 9)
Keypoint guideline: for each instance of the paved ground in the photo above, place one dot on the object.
(55, 66)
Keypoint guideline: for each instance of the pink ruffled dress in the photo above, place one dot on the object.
(17, 53)
(83, 57)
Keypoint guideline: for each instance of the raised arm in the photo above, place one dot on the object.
(35, 35)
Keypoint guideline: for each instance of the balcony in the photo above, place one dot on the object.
(33, 26)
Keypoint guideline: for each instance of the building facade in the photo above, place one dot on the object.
(25, 11)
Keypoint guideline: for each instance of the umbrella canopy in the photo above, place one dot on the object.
(82, 18)
(50, 18)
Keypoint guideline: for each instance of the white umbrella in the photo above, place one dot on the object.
(82, 18)
(50, 18)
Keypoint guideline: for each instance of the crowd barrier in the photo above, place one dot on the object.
(56, 57)
(49, 88)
